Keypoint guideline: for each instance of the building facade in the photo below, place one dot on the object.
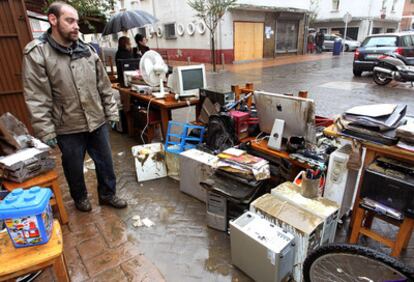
(252, 30)
(368, 16)
(407, 21)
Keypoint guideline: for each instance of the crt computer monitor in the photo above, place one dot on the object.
(125, 65)
(187, 80)
(298, 113)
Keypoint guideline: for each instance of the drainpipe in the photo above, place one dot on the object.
(370, 21)
(220, 45)
(153, 13)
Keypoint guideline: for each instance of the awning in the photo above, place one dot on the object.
(259, 8)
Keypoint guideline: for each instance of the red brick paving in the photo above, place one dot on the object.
(96, 245)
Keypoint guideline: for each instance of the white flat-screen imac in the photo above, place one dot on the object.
(186, 81)
(298, 113)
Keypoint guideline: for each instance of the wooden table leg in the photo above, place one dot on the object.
(369, 158)
(165, 117)
(198, 110)
(59, 203)
(369, 218)
(359, 216)
(407, 240)
(130, 123)
(403, 233)
(61, 270)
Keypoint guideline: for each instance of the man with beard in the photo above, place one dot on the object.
(70, 100)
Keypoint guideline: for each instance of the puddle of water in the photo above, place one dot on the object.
(344, 85)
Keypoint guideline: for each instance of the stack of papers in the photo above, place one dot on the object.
(406, 135)
(378, 117)
(245, 165)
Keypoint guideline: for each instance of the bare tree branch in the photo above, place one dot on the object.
(211, 12)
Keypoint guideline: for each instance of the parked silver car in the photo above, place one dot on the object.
(349, 44)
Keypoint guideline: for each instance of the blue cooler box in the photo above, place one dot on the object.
(28, 216)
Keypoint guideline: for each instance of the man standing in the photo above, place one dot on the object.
(319, 39)
(70, 100)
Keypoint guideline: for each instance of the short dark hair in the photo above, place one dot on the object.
(138, 37)
(56, 7)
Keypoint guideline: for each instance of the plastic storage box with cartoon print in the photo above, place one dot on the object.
(28, 216)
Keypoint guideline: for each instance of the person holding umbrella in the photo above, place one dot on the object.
(70, 100)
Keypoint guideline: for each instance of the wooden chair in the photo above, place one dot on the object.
(47, 179)
(238, 91)
(363, 222)
(19, 261)
(111, 74)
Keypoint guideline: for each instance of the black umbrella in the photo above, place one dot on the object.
(125, 20)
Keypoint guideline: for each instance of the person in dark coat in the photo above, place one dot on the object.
(141, 46)
(319, 39)
(123, 52)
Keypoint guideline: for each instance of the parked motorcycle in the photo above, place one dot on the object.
(393, 66)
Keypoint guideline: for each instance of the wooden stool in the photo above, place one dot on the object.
(19, 261)
(366, 217)
(47, 179)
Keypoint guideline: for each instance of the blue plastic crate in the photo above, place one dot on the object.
(28, 216)
(178, 142)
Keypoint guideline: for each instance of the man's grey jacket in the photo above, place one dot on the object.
(66, 90)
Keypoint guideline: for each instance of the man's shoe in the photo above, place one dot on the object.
(114, 202)
(83, 205)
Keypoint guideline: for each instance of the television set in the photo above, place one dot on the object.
(186, 81)
(298, 114)
(124, 65)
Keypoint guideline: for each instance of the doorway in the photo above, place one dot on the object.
(286, 37)
(248, 41)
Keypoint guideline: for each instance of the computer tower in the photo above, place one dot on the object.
(261, 249)
(341, 181)
(195, 166)
(304, 225)
(324, 208)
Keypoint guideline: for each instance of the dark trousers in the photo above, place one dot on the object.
(73, 148)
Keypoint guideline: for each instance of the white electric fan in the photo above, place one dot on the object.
(153, 71)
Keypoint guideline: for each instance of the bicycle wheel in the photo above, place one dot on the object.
(353, 263)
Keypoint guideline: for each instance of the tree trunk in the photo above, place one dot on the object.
(213, 52)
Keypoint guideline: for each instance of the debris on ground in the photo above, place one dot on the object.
(89, 164)
(137, 222)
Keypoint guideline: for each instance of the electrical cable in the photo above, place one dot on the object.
(258, 140)
(143, 131)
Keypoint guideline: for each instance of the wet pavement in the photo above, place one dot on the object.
(104, 245)
(328, 79)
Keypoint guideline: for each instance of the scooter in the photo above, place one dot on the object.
(393, 66)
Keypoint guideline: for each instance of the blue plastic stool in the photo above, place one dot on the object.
(178, 142)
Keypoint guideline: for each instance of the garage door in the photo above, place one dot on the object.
(248, 41)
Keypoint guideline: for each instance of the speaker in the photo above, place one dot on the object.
(275, 139)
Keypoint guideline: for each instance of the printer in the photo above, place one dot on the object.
(391, 183)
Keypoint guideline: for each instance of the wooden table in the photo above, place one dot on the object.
(373, 150)
(17, 262)
(261, 146)
(165, 107)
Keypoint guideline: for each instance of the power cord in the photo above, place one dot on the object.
(258, 140)
(143, 131)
